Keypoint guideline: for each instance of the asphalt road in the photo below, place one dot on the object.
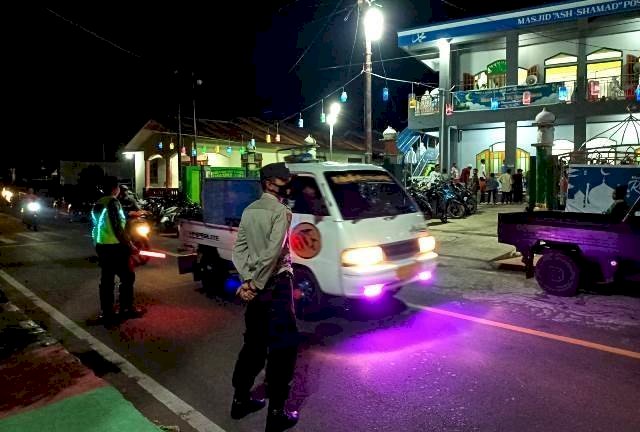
(479, 350)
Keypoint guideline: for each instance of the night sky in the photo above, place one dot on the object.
(70, 92)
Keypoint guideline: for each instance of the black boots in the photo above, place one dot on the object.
(243, 407)
(280, 420)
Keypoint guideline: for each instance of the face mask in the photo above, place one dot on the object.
(283, 191)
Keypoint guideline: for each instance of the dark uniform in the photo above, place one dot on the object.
(261, 256)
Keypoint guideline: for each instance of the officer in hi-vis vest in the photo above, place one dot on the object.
(114, 250)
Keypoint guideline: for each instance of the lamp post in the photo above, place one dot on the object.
(373, 25)
(331, 120)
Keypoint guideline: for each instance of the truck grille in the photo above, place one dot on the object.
(401, 250)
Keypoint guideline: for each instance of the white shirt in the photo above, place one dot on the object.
(410, 157)
(454, 172)
(483, 171)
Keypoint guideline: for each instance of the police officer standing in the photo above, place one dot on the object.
(114, 250)
(261, 256)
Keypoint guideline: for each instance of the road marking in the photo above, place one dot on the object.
(40, 243)
(195, 418)
(30, 236)
(532, 332)
(6, 240)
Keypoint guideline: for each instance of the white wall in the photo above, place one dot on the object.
(630, 136)
(622, 41)
(536, 54)
(139, 166)
(174, 171)
(475, 141)
(477, 61)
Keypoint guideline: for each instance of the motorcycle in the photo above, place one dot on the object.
(139, 231)
(30, 214)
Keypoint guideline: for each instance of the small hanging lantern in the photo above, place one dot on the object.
(300, 121)
(449, 109)
(323, 116)
(526, 98)
(183, 151)
(194, 152)
(412, 101)
(268, 138)
(253, 144)
(171, 145)
(229, 150)
(343, 96)
(277, 133)
(494, 103)
(160, 145)
(563, 93)
(638, 93)
(385, 94)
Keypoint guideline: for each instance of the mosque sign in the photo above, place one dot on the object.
(506, 97)
(591, 186)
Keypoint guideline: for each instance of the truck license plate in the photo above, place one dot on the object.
(407, 271)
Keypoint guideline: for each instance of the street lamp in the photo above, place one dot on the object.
(331, 120)
(373, 26)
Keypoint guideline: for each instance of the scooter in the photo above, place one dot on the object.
(30, 214)
(139, 231)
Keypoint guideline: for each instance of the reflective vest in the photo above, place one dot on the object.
(103, 232)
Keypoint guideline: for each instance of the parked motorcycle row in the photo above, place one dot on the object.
(443, 199)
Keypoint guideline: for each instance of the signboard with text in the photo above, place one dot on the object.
(514, 20)
(506, 97)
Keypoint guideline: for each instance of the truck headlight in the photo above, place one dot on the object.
(33, 206)
(143, 230)
(366, 256)
(427, 244)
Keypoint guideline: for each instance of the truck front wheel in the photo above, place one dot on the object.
(558, 273)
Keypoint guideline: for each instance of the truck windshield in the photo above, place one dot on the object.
(365, 194)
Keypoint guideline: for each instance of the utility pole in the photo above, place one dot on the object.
(195, 126)
(367, 94)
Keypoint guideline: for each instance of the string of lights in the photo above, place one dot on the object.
(321, 100)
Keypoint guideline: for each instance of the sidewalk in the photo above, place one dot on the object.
(474, 237)
(45, 388)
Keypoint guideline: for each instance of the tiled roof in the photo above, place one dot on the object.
(242, 129)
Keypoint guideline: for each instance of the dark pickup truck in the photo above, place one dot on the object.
(575, 247)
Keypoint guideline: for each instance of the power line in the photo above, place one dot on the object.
(308, 107)
(315, 37)
(94, 34)
(355, 38)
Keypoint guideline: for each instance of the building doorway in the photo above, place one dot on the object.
(494, 156)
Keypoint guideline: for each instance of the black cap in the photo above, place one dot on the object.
(275, 170)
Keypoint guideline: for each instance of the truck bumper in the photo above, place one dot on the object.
(375, 281)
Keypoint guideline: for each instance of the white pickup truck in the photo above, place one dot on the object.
(355, 232)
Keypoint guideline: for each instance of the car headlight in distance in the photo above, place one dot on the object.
(33, 206)
(427, 244)
(366, 256)
(143, 230)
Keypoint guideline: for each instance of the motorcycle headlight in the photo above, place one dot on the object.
(33, 206)
(143, 230)
(366, 256)
(427, 244)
